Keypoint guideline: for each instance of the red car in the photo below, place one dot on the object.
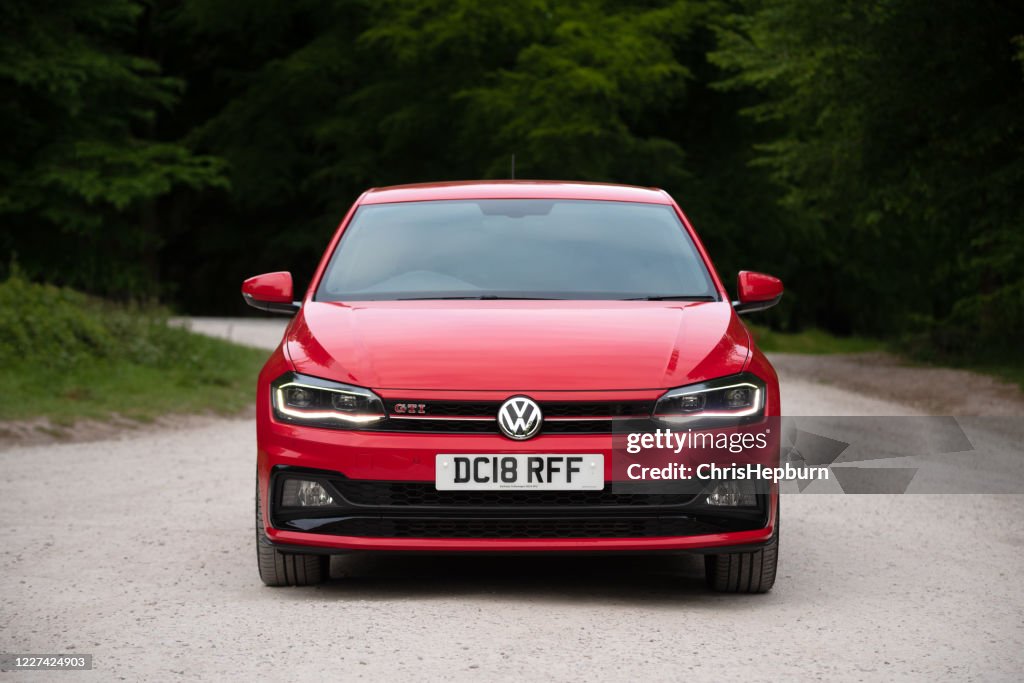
(466, 357)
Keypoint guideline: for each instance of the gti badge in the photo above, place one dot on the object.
(411, 408)
(519, 418)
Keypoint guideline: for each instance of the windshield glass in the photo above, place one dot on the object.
(520, 248)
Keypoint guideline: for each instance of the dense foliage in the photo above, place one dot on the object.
(870, 153)
(900, 145)
(81, 168)
(60, 328)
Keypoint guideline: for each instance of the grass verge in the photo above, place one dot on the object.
(66, 356)
(818, 342)
(812, 341)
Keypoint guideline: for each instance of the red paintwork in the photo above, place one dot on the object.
(270, 287)
(527, 544)
(550, 350)
(518, 346)
(754, 287)
(515, 189)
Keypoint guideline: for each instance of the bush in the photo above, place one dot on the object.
(67, 354)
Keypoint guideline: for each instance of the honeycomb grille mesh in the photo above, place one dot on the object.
(417, 494)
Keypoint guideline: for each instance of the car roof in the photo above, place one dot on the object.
(514, 189)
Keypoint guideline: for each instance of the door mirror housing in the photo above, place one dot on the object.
(271, 292)
(757, 291)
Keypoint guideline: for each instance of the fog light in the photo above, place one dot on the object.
(733, 494)
(301, 493)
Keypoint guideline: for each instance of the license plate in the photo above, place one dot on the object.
(541, 471)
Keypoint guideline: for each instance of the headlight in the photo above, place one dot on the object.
(323, 403)
(729, 400)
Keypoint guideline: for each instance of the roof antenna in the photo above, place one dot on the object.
(512, 169)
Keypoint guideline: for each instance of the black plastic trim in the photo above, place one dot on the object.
(674, 518)
(755, 306)
(273, 307)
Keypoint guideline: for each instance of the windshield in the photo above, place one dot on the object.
(519, 248)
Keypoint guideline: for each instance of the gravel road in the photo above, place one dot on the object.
(139, 550)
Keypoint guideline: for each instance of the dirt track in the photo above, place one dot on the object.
(139, 550)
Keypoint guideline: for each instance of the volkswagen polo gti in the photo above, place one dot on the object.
(455, 376)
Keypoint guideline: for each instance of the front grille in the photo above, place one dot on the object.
(401, 527)
(456, 426)
(479, 417)
(447, 408)
(441, 426)
(417, 494)
(550, 408)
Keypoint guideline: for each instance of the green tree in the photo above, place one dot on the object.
(81, 168)
(311, 103)
(899, 142)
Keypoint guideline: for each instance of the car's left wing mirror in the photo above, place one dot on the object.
(271, 292)
(757, 291)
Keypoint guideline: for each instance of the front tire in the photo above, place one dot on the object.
(286, 569)
(748, 572)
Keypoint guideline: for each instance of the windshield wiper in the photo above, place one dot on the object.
(674, 297)
(481, 297)
(496, 297)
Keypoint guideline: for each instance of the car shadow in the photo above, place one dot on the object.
(649, 580)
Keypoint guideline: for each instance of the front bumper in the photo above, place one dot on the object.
(375, 458)
(413, 515)
(384, 486)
